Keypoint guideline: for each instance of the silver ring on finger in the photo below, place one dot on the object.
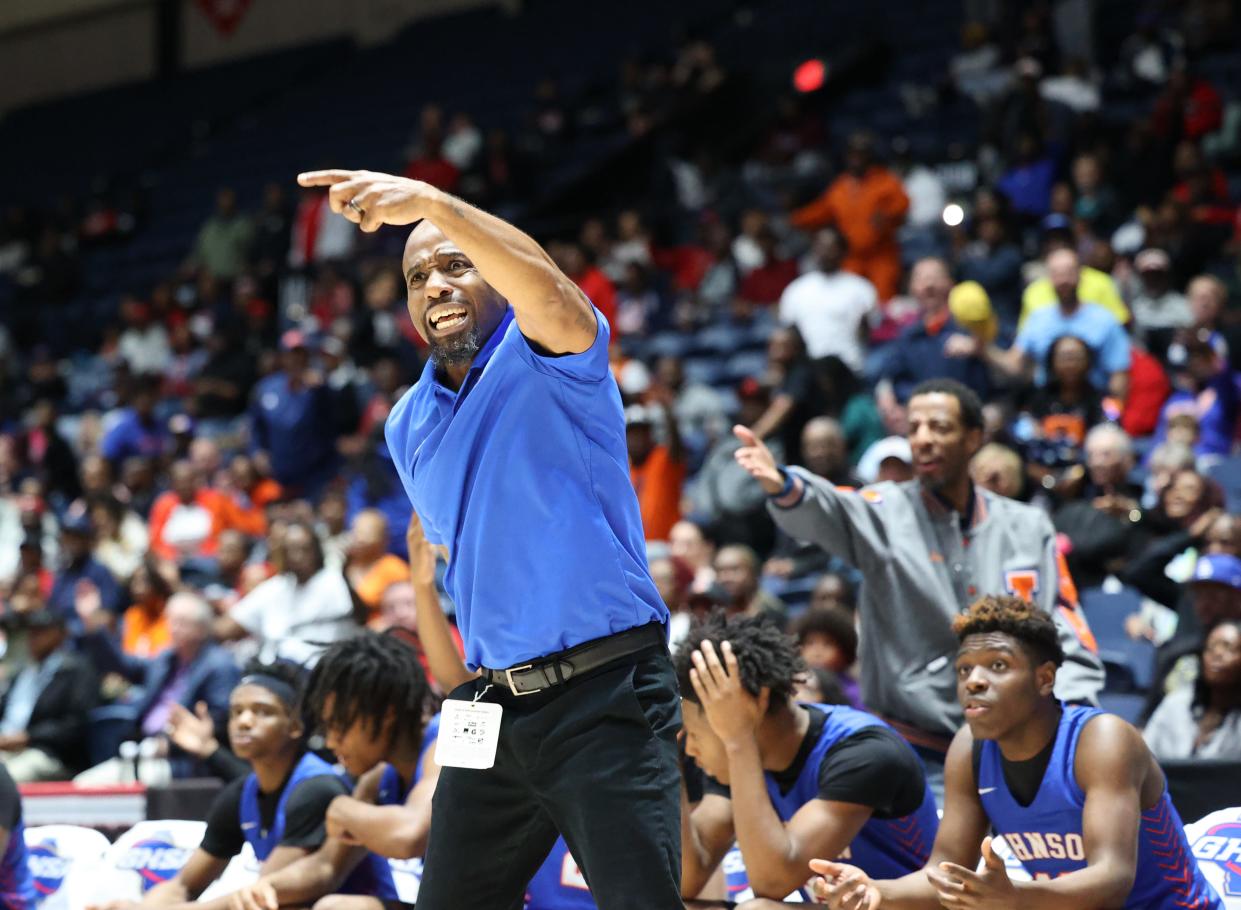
(357, 208)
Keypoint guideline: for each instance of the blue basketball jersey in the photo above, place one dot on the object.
(884, 848)
(559, 884)
(1047, 835)
(17, 890)
(391, 792)
(372, 876)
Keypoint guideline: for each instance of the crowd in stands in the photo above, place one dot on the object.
(208, 481)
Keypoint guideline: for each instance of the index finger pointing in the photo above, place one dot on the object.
(325, 178)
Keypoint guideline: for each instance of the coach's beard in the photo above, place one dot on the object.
(457, 349)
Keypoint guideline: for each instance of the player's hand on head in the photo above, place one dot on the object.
(757, 459)
(732, 712)
(370, 199)
(843, 887)
(987, 889)
(258, 896)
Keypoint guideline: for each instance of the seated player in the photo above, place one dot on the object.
(791, 781)
(369, 694)
(17, 888)
(279, 807)
(1075, 793)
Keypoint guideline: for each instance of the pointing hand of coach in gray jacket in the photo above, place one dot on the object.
(927, 548)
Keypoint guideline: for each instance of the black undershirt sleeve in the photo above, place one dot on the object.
(223, 838)
(306, 811)
(874, 767)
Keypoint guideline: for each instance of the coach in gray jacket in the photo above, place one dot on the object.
(928, 548)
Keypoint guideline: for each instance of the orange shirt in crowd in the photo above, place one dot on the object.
(658, 482)
(144, 634)
(179, 529)
(248, 513)
(853, 205)
(386, 570)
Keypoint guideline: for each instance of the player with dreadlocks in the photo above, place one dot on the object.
(369, 695)
(278, 807)
(789, 781)
(1075, 793)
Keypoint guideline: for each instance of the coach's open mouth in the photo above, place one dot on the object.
(444, 318)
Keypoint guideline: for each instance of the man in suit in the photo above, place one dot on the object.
(194, 673)
(43, 714)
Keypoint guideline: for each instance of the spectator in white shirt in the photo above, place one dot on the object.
(830, 307)
(299, 612)
(144, 343)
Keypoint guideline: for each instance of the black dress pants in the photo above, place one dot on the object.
(594, 759)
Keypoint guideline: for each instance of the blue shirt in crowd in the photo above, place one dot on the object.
(295, 429)
(64, 590)
(130, 436)
(918, 354)
(524, 475)
(1108, 343)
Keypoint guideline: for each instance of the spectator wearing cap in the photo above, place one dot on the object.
(920, 352)
(890, 460)
(1158, 307)
(656, 470)
(1206, 389)
(868, 204)
(1093, 285)
(144, 342)
(830, 307)
(80, 572)
(291, 421)
(43, 714)
(135, 430)
(1204, 720)
(1106, 338)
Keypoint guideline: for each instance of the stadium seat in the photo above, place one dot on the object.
(1106, 612)
(1127, 705)
(106, 729)
(147, 854)
(65, 863)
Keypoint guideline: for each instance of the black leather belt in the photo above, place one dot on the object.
(557, 669)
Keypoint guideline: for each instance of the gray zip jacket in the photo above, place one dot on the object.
(920, 569)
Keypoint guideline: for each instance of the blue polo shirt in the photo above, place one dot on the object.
(1090, 322)
(524, 475)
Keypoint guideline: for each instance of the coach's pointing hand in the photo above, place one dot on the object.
(758, 460)
(370, 199)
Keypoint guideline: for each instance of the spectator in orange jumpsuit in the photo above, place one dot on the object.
(867, 203)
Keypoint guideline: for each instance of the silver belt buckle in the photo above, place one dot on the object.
(508, 675)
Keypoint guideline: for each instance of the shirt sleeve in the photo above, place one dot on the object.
(874, 767)
(589, 366)
(248, 612)
(306, 811)
(223, 838)
(1115, 356)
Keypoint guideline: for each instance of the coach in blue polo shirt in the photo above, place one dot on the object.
(512, 448)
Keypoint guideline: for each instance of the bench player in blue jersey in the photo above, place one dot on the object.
(368, 694)
(279, 808)
(795, 780)
(17, 891)
(1074, 792)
